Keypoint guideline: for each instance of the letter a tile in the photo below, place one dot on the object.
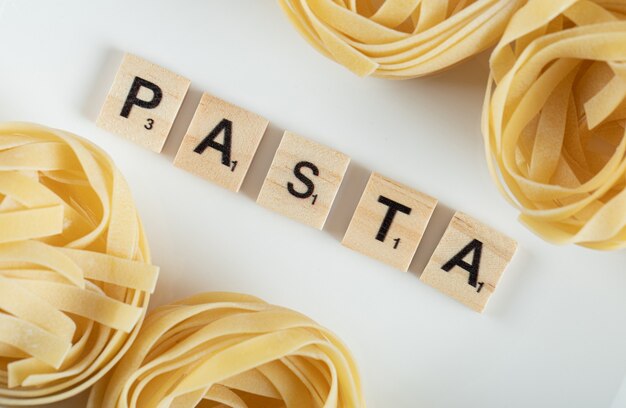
(389, 222)
(469, 261)
(221, 142)
(143, 102)
(303, 180)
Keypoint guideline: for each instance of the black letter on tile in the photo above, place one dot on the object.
(132, 99)
(310, 187)
(457, 260)
(209, 141)
(394, 207)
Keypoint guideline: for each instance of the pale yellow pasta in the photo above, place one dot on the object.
(399, 38)
(231, 350)
(75, 272)
(554, 120)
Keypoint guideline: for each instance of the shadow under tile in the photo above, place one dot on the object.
(182, 122)
(261, 162)
(434, 231)
(347, 199)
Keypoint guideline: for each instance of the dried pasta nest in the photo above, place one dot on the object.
(554, 120)
(75, 273)
(231, 350)
(399, 38)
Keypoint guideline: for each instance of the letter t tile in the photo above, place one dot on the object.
(389, 222)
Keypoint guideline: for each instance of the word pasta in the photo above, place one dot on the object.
(303, 180)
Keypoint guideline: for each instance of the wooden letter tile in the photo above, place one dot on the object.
(389, 222)
(143, 102)
(468, 262)
(221, 142)
(303, 180)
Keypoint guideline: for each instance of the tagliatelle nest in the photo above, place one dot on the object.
(554, 120)
(75, 273)
(231, 350)
(400, 38)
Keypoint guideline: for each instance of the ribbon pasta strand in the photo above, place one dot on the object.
(400, 39)
(75, 272)
(231, 350)
(554, 120)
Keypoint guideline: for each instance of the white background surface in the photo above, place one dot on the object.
(553, 334)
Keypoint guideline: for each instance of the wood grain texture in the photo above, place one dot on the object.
(496, 252)
(313, 209)
(148, 127)
(245, 131)
(394, 244)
